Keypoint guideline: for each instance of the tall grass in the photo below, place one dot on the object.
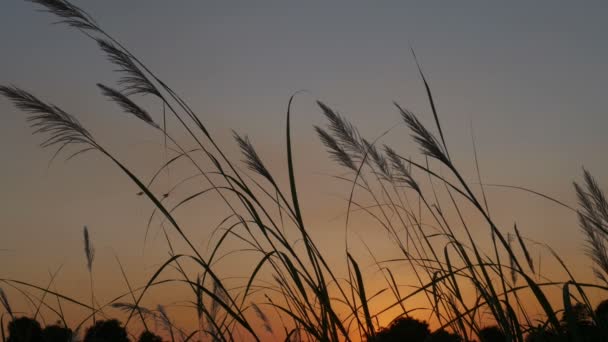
(409, 199)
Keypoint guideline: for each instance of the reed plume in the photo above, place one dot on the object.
(127, 105)
(336, 151)
(129, 307)
(512, 268)
(401, 172)
(165, 320)
(593, 220)
(345, 132)
(69, 13)
(524, 249)
(89, 253)
(44, 118)
(252, 159)
(133, 79)
(378, 158)
(262, 316)
(429, 145)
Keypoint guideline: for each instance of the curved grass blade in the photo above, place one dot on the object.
(363, 298)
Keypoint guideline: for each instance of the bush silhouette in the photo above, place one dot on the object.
(583, 328)
(106, 331)
(56, 333)
(24, 329)
(148, 336)
(541, 334)
(404, 329)
(492, 334)
(601, 313)
(581, 314)
(443, 336)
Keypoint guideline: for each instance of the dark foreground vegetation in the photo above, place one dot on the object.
(402, 329)
(417, 202)
(26, 329)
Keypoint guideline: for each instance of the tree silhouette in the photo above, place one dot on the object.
(24, 329)
(601, 313)
(582, 328)
(148, 336)
(492, 334)
(404, 329)
(581, 314)
(541, 334)
(106, 331)
(601, 316)
(443, 336)
(56, 333)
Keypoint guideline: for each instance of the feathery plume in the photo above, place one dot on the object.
(199, 297)
(346, 133)
(222, 296)
(524, 248)
(63, 129)
(593, 220)
(163, 315)
(335, 150)
(427, 141)
(70, 14)
(596, 246)
(403, 173)
(89, 251)
(252, 159)
(220, 293)
(129, 307)
(127, 105)
(263, 317)
(511, 260)
(593, 203)
(164, 319)
(166, 322)
(597, 195)
(378, 158)
(133, 80)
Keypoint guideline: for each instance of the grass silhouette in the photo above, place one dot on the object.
(313, 302)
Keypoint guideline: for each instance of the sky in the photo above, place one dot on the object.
(529, 77)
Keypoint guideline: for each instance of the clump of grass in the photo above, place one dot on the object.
(303, 290)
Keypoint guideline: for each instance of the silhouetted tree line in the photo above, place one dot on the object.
(582, 328)
(403, 329)
(25, 329)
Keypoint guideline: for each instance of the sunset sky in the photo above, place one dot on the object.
(530, 77)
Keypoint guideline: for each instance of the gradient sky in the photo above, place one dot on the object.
(530, 76)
